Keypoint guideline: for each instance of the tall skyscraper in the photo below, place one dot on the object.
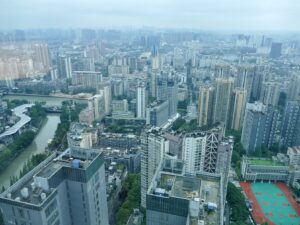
(205, 105)
(97, 105)
(270, 93)
(290, 131)
(222, 71)
(162, 89)
(194, 145)
(259, 126)
(41, 56)
(141, 101)
(106, 92)
(172, 98)
(237, 109)
(245, 78)
(155, 59)
(153, 146)
(259, 78)
(153, 84)
(222, 100)
(275, 50)
(64, 67)
(65, 189)
(200, 151)
(294, 91)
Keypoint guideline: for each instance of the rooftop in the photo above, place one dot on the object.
(295, 149)
(265, 162)
(32, 188)
(197, 189)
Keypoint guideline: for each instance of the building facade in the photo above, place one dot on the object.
(65, 189)
(259, 126)
(157, 113)
(290, 131)
(222, 100)
(141, 102)
(205, 105)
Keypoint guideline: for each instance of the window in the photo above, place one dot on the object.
(21, 213)
(52, 206)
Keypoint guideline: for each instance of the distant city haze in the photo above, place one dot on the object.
(215, 15)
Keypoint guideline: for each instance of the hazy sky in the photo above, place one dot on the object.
(278, 15)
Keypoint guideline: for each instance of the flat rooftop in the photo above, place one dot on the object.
(193, 188)
(29, 190)
(265, 162)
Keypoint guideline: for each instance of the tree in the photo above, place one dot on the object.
(237, 203)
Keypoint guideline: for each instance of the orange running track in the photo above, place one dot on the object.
(289, 197)
(257, 212)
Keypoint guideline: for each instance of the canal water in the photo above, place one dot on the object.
(39, 144)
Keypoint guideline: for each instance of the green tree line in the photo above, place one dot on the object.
(13, 150)
(131, 192)
(236, 200)
(70, 113)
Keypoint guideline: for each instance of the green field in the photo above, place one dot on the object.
(274, 204)
(265, 162)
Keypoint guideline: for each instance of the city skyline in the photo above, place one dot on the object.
(231, 15)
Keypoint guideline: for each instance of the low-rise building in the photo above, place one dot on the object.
(276, 169)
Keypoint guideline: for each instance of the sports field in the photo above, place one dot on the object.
(272, 203)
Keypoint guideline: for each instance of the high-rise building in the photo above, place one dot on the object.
(176, 198)
(270, 93)
(294, 156)
(237, 109)
(106, 92)
(167, 90)
(87, 79)
(222, 99)
(245, 78)
(155, 59)
(259, 78)
(141, 101)
(64, 67)
(200, 151)
(65, 189)
(193, 149)
(97, 105)
(294, 90)
(153, 146)
(157, 113)
(275, 50)
(290, 131)
(222, 71)
(205, 105)
(41, 56)
(259, 126)
(162, 89)
(153, 84)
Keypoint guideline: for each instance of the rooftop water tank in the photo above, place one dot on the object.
(24, 193)
(43, 196)
(75, 163)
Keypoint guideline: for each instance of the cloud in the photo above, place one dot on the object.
(199, 14)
